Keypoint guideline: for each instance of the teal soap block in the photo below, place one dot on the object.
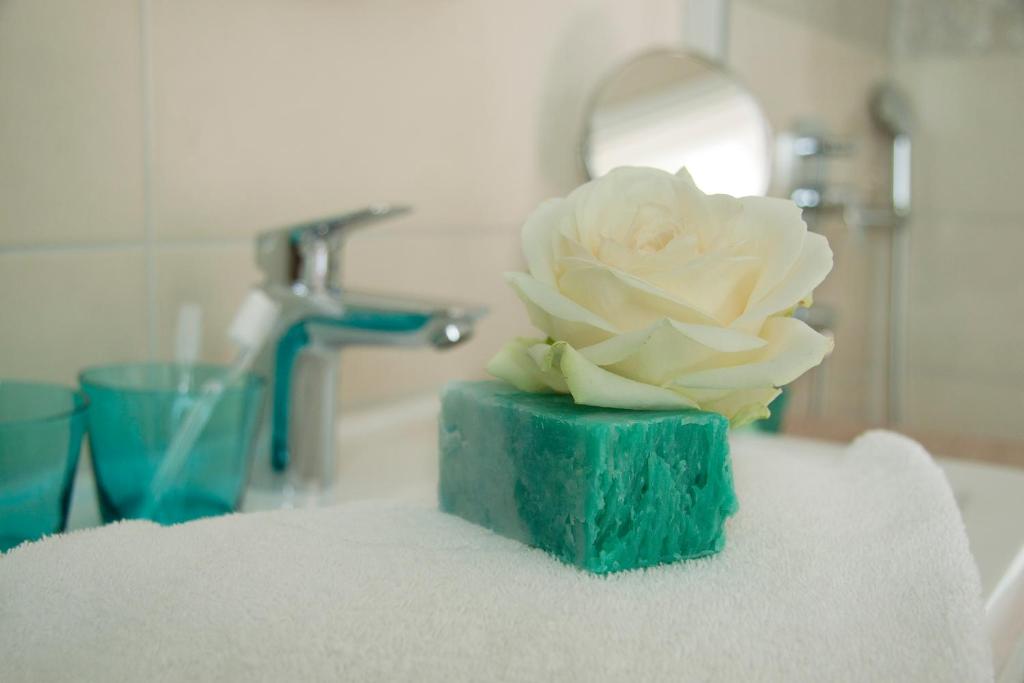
(605, 490)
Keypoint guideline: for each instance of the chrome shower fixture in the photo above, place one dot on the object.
(803, 161)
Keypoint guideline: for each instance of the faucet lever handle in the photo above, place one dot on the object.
(305, 256)
(335, 228)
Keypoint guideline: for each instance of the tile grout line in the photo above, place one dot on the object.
(78, 248)
(146, 76)
(122, 245)
(483, 232)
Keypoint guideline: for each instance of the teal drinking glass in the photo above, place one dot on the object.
(136, 410)
(41, 428)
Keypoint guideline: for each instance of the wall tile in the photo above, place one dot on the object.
(64, 311)
(965, 333)
(864, 21)
(965, 300)
(794, 70)
(447, 266)
(458, 266)
(952, 404)
(70, 122)
(270, 112)
(832, 392)
(462, 266)
(805, 75)
(967, 132)
(217, 278)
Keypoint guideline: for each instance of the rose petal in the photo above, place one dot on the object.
(741, 406)
(716, 284)
(615, 295)
(717, 228)
(793, 348)
(514, 365)
(663, 351)
(683, 174)
(532, 365)
(540, 235)
(556, 315)
(813, 264)
(594, 386)
(608, 207)
(778, 230)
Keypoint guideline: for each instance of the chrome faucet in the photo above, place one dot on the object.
(302, 272)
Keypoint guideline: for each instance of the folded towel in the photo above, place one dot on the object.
(854, 569)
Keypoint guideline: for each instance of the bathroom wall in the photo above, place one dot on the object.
(965, 328)
(861, 22)
(963, 365)
(146, 142)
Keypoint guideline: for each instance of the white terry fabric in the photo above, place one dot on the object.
(849, 570)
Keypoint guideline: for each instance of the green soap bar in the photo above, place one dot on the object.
(602, 489)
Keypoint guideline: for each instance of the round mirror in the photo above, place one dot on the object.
(670, 109)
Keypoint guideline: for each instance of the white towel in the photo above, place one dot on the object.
(848, 570)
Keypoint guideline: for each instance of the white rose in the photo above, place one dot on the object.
(656, 296)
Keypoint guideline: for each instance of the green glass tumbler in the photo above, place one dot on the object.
(41, 428)
(136, 410)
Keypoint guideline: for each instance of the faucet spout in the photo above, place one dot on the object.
(384, 320)
(302, 266)
(304, 364)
